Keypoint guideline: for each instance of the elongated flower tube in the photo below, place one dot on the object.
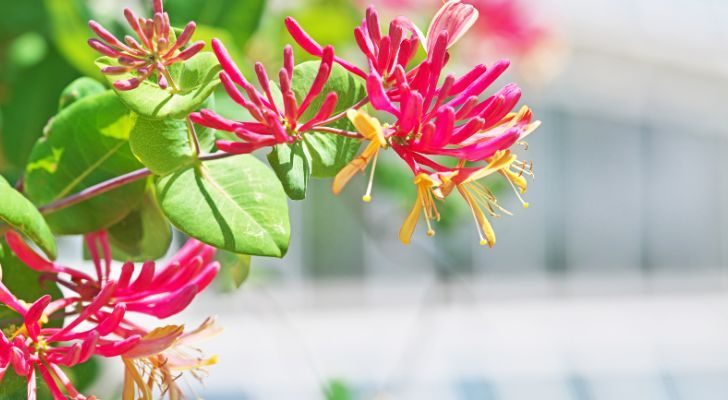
(159, 292)
(33, 350)
(384, 52)
(154, 50)
(276, 121)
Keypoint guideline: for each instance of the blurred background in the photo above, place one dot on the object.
(612, 285)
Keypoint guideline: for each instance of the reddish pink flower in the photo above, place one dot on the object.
(160, 292)
(33, 349)
(274, 123)
(384, 52)
(156, 49)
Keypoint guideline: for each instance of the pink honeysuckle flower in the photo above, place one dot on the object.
(384, 52)
(161, 356)
(159, 292)
(454, 17)
(156, 49)
(447, 121)
(503, 25)
(275, 123)
(32, 350)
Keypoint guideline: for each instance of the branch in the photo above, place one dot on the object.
(110, 185)
(340, 132)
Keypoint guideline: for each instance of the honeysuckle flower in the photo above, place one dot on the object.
(371, 130)
(159, 292)
(454, 17)
(32, 349)
(154, 51)
(159, 358)
(384, 52)
(274, 123)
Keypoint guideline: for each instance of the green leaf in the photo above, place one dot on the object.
(13, 387)
(235, 204)
(19, 213)
(87, 144)
(196, 79)
(235, 269)
(329, 153)
(292, 165)
(240, 18)
(78, 89)
(163, 145)
(143, 235)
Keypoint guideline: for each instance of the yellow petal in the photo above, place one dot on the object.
(368, 126)
(409, 225)
(497, 163)
(356, 165)
(138, 380)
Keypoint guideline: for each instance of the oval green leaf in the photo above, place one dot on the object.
(235, 204)
(196, 79)
(292, 165)
(87, 144)
(165, 145)
(20, 214)
(78, 89)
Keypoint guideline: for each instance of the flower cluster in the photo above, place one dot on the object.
(100, 306)
(155, 51)
(447, 135)
(275, 123)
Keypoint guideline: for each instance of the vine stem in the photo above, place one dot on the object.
(339, 132)
(110, 185)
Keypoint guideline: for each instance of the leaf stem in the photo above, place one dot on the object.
(193, 136)
(112, 184)
(95, 190)
(340, 132)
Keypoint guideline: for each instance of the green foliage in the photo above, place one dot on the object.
(329, 153)
(162, 145)
(196, 79)
(166, 145)
(320, 155)
(30, 97)
(27, 50)
(79, 89)
(235, 204)
(69, 32)
(338, 390)
(239, 18)
(234, 271)
(87, 143)
(13, 387)
(292, 165)
(20, 214)
(142, 235)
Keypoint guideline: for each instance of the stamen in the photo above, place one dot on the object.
(515, 190)
(367, 198)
